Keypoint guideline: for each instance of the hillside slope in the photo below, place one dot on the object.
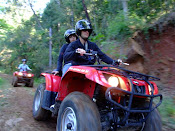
(154, 53)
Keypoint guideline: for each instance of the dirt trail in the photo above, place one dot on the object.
(16, 109)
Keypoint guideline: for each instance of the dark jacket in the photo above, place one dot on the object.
(70, 55)
(60, 57)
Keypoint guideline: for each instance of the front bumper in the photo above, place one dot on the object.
(24, 79)
(128, 109)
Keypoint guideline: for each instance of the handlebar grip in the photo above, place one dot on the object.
(125, 63)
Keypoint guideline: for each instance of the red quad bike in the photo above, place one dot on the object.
(22, 77)
(99, 98)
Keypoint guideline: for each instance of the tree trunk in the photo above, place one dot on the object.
(58, 3)
(50, 47)
(72, 15)
(125, 8)
(85, 9)
(35, 15)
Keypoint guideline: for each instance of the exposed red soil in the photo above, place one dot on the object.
(159, 58)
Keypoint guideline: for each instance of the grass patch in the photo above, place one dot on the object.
(1, 82)
(3, 91)
(1, 69)
(167, 111)
(39, 80)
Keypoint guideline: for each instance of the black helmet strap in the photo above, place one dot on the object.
(86, 45)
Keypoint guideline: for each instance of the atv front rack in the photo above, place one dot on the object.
(124, 72)
(131, 94)
(128, 109)
(137, 75)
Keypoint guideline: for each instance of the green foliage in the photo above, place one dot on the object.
(150, 8)
(98, 38)
(121, 28)
(21, 36)
(39, 80)
(3, 24)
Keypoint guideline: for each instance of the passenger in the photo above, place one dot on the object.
(83, 30)
(70, 36)
(24, 66)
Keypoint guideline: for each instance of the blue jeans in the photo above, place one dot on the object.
(65, 68)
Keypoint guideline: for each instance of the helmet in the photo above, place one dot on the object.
(23, 60)
(68, 33)
(83, 25)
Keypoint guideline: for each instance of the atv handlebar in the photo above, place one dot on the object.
(91, 53)
(94, 53)
(121, 62)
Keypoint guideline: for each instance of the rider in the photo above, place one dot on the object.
(82, 45)
(23, 66)
(70, 36)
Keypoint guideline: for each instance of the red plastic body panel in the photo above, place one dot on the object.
(84, 79)
(52, 82)
(81, 78)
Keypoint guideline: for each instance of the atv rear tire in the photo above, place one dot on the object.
(153, 123)
(15, 81)
(40, 113)
(78, 113)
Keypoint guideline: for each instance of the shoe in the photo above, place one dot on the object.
(55, 107)
(52, 108)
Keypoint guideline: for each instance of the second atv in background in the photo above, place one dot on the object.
(23, 76)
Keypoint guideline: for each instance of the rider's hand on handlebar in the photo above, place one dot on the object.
(81, 51)
(55, 72)
(117, 62)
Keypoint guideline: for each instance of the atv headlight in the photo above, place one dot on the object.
(113, 81)
(20, 74)
(29, 75)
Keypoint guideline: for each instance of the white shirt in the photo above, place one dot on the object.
(23, 67)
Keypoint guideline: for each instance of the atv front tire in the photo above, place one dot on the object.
(40, 113)
(78, 113)
(153, 123)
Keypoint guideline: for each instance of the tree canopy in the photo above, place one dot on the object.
(25, 32)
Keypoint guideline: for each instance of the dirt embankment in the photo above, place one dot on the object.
(154, 52)
(16, 109)
(159, 52)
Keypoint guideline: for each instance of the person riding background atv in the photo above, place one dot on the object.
(22, 76)
(74, 54)
(69, 36)
(24, 66)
